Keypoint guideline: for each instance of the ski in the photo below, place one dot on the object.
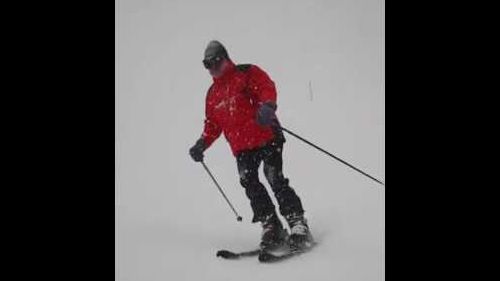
(268, 257)
(229, 255)
(264, 256)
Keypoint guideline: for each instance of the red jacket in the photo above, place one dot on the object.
(231, 107)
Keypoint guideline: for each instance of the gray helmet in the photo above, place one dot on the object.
(215, 49)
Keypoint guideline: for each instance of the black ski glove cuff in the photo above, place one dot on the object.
(266, 114)
(197, 150)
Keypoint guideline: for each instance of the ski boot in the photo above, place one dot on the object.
(273, 234)
(300, 235)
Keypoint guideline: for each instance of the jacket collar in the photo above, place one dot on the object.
(227, 73)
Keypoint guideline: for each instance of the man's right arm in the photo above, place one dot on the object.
(211, 130)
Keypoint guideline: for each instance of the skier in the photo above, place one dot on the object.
(241, 102)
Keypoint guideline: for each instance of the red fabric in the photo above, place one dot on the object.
(231, 108)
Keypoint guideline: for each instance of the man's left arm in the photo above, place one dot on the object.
(264, 93)
(261, 86)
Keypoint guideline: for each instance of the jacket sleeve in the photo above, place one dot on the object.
(211, 130)
(261, 86)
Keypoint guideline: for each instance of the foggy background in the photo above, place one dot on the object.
(327, 60)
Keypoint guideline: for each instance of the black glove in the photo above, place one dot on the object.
(265, 114)
(196, 151)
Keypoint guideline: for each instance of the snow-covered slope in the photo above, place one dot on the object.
(326, 58)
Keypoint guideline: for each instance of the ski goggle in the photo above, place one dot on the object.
(211, 62)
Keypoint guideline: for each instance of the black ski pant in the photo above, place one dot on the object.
(248, 165)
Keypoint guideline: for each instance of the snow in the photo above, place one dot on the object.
(170, 218)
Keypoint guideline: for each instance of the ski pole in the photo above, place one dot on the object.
(329, 154)
(238, 217)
